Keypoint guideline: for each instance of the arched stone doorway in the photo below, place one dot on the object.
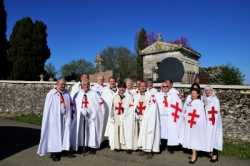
(170, 68)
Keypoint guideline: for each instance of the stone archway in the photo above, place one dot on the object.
(171, 68)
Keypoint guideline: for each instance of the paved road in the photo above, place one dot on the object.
(20, 150)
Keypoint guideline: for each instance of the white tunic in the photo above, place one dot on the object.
(55, 131)
(171, 117)
(149, 133)
(214, 123)
(195, 126)
(89, 119)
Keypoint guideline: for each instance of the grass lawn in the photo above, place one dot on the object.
(241, 151)
(30, 118)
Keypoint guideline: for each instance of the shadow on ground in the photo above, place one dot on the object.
(15, 139)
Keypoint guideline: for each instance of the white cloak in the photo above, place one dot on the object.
(89, 120)
(152, 91)
(123, 124)
(171, 118)
(214, 123)
(149, 133)
(55, 131)
(195, 127)
(98, 88)
(107, 96)
(75, 88)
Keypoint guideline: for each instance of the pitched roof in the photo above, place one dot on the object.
(160, 46)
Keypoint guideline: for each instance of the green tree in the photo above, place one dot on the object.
(50, 71)
(231, 75)
(141, 43)
(3, 42)
(120, 60)
(28, 50)
(224, 74)
(74, 69)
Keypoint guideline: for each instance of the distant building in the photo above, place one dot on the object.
(163, 60)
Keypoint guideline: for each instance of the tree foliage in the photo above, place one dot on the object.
(3, 42)
(75, 68)
(28, 50)
(224, 74)
(50, 71)
(141, 43)
(120, 60)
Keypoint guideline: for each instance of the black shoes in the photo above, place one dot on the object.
(129, 151)
(55, 156)
(92, 151)
(193, 161)
(149, 155)
(214, 160)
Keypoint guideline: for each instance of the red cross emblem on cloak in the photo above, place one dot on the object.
(85, 101)
(165, 102)
(141, 108)
(120, 108)
(212, 112)
(193, 115)
(177, 109)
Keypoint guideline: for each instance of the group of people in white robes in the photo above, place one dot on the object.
(131, 119)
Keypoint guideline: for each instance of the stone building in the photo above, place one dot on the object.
(163, 60)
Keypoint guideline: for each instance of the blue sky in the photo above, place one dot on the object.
(218, 29)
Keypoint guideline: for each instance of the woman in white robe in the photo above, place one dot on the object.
(214, 122)
(195, 126)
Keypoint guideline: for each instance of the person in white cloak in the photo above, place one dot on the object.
(129, 87)
(89, 117)
(77, 86)
(214, 122)
(171, 117)
(172, 90)
(150, 89)
(148, 121)
(121, 118)
(99, 86)
(107, 96)
(188, 98)
(55, 131)
(195, 126)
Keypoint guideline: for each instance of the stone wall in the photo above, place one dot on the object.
(22, 97)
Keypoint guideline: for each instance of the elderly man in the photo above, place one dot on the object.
(77, 86)
(89, 117)
(99, 86)
(171, 116)
(148, 121)
(55, 131)
(129, 87)
(108, 94)
(150, 89)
